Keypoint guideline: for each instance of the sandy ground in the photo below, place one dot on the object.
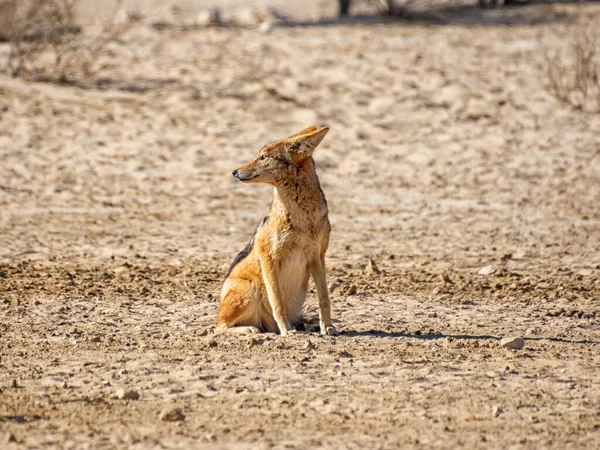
(119, 217)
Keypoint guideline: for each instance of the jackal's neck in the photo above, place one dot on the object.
(300, 199)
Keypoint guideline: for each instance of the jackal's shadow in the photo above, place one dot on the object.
(436, 336)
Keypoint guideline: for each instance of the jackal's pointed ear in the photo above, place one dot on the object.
(305, 131)
(303, 145)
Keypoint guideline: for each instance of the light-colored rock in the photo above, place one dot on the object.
(266, 27)
(255, 342)
(130, 394)
(478, 109)
(514, 343)
(309, 346)
(372, 268)
(172, 415)
(453, 96)
(496, 411)
(210, 17)
(487, 270)
(345, 290)
(448, 341)
(333, 286)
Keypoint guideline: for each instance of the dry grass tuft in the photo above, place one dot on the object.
(574, 75)
(46, 44)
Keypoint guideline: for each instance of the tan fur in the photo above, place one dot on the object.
(266, 289)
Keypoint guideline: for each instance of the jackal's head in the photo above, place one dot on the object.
(278, 161)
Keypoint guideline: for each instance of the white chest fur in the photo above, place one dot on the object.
(293, 281)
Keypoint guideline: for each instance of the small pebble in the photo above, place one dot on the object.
(254, 342)
(128, 395)
(372, 268)
(333, 286)
(496, 411)
(487, 270)
(205, 331)
(265, 27)
(172, 415)
(348, 290)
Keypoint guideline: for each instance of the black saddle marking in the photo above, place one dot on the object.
(241, 255)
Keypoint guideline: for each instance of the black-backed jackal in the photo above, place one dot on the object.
(266, 285)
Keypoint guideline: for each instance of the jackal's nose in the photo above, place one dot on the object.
(234, 173)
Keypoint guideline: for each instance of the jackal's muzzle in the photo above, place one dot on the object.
(243, 175)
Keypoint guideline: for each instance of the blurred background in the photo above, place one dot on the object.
(459, 130)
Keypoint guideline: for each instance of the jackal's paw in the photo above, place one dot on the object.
(289, 332)
(243, 330)
(329, 331)
(251, 330)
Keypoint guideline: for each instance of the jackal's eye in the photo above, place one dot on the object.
(263, 157)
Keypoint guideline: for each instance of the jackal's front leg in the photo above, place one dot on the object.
(269, 273)
(317, 269)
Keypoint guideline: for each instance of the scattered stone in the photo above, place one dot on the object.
(15, 384)
(448, 341)
(7, 438)
(212, 344)
(487, 270)
(122, 394)
(496, 411)
(515, 343)
(266, 27)
(558, 312)
(254, 342)
(172, 415)
(372, 268)
(210, 17)
(352, 290)
(477, 109)
(309, 346)
(518, 255)
(333, 286)
(345, 290)
(128, 16)
(446, 280)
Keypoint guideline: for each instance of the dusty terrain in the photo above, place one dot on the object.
(119, 217)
